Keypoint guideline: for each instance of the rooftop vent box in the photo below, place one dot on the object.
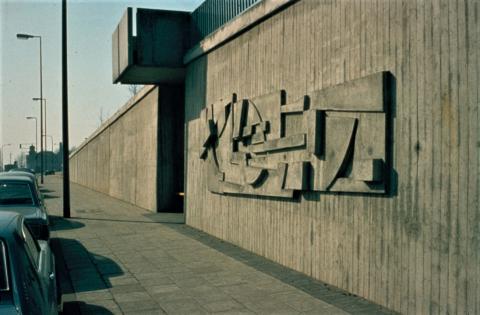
(155, 55)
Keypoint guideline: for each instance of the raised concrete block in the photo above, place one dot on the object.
(368, 170)
(364, 94)
(340, 133)
(297, 175)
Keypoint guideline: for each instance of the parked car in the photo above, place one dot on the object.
(20, 193)
(21, 173)
(27, 270)
(22, 169)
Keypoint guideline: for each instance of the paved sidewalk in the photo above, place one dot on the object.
(121, 259)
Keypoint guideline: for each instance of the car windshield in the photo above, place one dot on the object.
(4, 285)
(15, 194)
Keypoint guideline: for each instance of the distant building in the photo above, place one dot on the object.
(52, 160)
(11, 166)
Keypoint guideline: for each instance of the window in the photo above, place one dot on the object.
(4, 283)
(32, 247)
(15, 194)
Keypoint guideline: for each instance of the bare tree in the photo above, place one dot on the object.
(133, 89)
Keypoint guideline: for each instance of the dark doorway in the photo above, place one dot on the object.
(170, 151)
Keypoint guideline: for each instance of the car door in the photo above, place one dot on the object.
(31, 288)
(40, 199)
(40, 263)
(47, 273)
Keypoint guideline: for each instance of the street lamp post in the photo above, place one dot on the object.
(3, 146)
(66, 162)
(51, 156)
(28, 36)
(43, 128)
(43, 101)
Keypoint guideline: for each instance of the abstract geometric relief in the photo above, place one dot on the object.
(331, 140)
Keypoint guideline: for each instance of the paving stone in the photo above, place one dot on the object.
(120, 280)
(97, 295)
(209, 297)
(243, 311)
(182, 275)
(166, 288)
(223, 306)
(191, 283)
(223, 278)
(131, 296)
(146, 312)
(139, 305)
(331, 310)
(160, 280)
(90, 309)
(182, 306)
(203, 290)
(149, 275)
(270, 307)
(170, 296)
(300, 302)
(127, 288)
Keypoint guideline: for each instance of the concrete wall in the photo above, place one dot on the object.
(137, 154)
(120, 159)
(416, 251)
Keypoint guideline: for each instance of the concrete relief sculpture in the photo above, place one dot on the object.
(331, 140)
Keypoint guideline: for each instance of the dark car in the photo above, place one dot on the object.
(21, 173)
(22, 169)
(27, 270)
(19, 193)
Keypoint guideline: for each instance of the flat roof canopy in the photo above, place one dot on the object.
(155, 55)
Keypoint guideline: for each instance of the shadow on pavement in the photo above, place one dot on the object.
(45, 190)
(87, 271)
(151, 221)
(77, 308)
(60, 224)
(46, 196)
(80, 271)
(166, 217)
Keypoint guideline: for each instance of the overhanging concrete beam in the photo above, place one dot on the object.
(155, 55)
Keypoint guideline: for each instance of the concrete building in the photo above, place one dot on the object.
(337, 138)
(52, 160)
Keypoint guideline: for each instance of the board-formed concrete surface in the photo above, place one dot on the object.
(137, 154)
(415, 250)
(121, 158)
(122, 259)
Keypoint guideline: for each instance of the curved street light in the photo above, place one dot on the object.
(25, 37)
(36, 131)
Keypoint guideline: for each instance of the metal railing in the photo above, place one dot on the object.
(212, 14)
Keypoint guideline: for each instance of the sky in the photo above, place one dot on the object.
(92, 95)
